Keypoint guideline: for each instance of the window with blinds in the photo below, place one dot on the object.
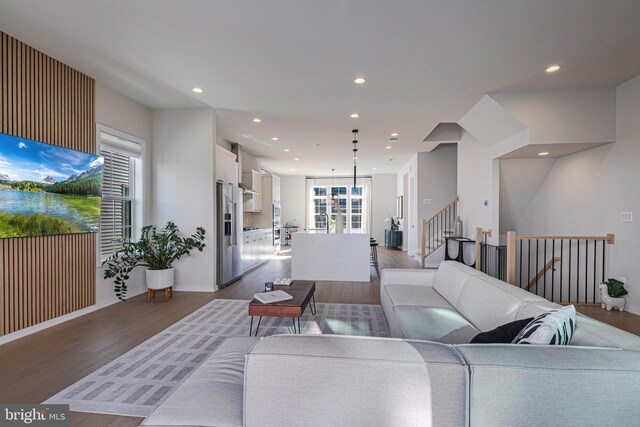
(117, 201)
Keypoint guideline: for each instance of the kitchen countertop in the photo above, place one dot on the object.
(256, 230)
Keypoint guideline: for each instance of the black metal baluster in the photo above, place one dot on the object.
(586, 270)
(561, 266)
(569, 281)
(537, 264)
(577, 270)
(553, 267)
(604, 246)
(595, 268)
(528, 264)
(520, 282)
(544, 274)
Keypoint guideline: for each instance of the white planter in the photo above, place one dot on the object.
(160, 279)
(610, 302)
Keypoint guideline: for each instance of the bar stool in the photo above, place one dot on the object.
(374, 254)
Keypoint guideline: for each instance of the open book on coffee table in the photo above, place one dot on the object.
(273, 296)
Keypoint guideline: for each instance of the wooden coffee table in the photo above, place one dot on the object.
(302, 292)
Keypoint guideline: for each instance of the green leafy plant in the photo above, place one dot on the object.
(615, 288)
(156, 249)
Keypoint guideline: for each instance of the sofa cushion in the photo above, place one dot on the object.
(554, 327)
(424, 296)
(371, 381)
(503, 334)
(486, 304)
(434, 324)
(212, 395)
(450, 279)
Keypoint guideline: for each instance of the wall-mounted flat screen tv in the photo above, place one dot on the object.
(47, 190)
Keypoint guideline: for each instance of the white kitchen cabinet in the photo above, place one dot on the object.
(226, 166)
(270, 195)
(257, 247)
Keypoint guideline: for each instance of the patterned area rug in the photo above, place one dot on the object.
(138, 381)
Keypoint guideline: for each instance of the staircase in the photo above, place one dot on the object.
(437, 228)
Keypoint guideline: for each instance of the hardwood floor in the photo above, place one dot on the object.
(38, 366)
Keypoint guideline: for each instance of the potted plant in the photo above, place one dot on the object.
(156, 249)
(612, 294)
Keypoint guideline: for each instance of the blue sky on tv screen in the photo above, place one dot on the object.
(23, 159)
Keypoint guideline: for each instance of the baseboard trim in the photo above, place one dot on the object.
(58, 320)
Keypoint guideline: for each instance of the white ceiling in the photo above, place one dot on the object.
(292, 63)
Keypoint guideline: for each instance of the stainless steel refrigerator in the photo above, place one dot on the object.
(229, 209)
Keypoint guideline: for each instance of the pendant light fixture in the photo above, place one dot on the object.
(355, 154)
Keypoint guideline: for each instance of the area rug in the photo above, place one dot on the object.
(137, 382)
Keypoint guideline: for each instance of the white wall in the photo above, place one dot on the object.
(478, 181)
(411, 168)
(584, 194)
(292, 200)
(383, 203)
(564, 116)
(121, 113)
(183, 186)
(437, 179)
(520, 180)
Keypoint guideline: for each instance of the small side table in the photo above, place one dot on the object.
(393, 238)
(461, 242)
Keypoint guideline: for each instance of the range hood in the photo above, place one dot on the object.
(237, 150)
(246, 190)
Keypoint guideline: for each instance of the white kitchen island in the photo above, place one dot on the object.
(332, 257)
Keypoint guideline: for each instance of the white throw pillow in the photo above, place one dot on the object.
(554, 327)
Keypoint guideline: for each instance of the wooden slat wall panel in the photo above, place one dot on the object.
(42, 99)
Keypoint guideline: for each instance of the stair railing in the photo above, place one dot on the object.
(558, 268)
(436, 228)
(490, 259)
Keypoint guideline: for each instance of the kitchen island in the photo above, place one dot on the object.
(332, 257)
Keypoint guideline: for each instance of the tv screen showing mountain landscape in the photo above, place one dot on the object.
(47, 190)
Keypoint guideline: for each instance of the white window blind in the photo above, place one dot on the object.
(117, 197)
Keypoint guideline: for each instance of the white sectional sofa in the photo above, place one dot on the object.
(414, 380)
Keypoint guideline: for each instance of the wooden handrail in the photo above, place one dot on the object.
(609, 238)
(543, 271)
(454, 200)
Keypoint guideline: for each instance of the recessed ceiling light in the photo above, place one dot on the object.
(360, 80)
(293, 170)
(286, 150)
(296, 159)
(196, 90)
(275, 138)
(394, 134)
(375, 168)
(354, 115)
(553, 68)
(388, 147)
(544, 153)
(257, 120)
